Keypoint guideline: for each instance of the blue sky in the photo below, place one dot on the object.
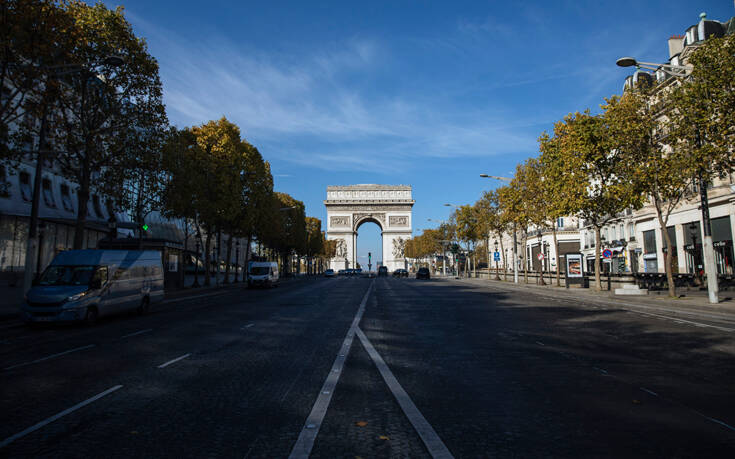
(423, 93)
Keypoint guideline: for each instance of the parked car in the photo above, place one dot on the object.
(383, 271)
(87, 284)
(342, 272)
(329, 273)
(263, 274)
(423, 273)
(400, 272)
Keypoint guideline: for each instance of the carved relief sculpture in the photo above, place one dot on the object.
(339, 221)
(398, 221)
(341, 250)
(399, 246)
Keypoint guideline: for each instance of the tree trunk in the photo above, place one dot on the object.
(82, 202)
(668, 259)
(556, 251)
(227, 260)
(207, 243)
(598, 247)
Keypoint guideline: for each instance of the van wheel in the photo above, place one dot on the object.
(145, 305)
(92, 315)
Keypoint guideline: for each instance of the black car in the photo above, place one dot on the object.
(400, 272)
(423, 273)
(383, 271)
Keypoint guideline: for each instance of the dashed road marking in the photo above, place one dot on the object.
(53, 418)
(540, 343)
(305, 442)
(48, 357)
(649, 391)
(601, 370)
(140, 332)
(164, 365)
(428, 435)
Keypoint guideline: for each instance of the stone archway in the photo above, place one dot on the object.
(389, 206)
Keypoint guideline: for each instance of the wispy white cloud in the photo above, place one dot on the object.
(295, 98)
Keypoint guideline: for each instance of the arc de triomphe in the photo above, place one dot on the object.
(348, 207)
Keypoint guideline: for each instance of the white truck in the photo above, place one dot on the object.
(263, 274)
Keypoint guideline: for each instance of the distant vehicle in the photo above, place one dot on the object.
(263, 274)
(329, 273)
(383, 271)
(357, 271)
(342, 272)
(400, 272)
(88, 284)
(349, 271)
(423, 273)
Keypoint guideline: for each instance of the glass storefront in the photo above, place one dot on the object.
(722, 239)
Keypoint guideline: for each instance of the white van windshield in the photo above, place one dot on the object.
(259, 270)
(67, 275)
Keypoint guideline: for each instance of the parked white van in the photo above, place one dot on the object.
(88, 284)
(263, 274)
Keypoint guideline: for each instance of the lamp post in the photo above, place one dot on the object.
(237, 260)
(32, 245)
(539, 235)
(195, 284)
(695, 266)
(497, 272)
(515, 237)
(710, 267)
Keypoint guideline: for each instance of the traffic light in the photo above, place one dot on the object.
(370, 257)
(144, 227)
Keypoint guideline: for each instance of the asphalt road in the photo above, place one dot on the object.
(357, 367)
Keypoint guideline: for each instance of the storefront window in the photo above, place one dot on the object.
(722, 239)
(674, 251)
(693, 247)
(649, 242)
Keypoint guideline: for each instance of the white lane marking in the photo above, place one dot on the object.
(691, 322)
(247, 326)
(540, 343)
(140, 332)
(604, 372)
(305, 442)
(53, 418)
(187, 298)
(649, 391)
(718, 422)
(164, 365)
(428, 435)
(49, 357)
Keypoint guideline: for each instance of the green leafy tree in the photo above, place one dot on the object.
(100, 104)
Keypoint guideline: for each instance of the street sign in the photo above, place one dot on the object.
(540, 256)
(496, 256)
(607, 253)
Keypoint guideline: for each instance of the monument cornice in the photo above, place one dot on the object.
(369, 206)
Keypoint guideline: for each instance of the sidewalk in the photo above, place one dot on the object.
(695, 303)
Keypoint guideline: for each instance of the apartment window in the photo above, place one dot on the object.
(25, 186)
(48, 195)
(649, 241)
(622, 232)
(4, 184)
(66, 198)
(631, 231)
(560, 222)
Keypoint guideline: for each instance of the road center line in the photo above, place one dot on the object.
(53, 418)
(164, 365)
(140, 332)
(428, 435)
(49, 357)
(305, 442)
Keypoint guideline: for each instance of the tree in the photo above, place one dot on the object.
(36, 38)
(468, 227)
(491, 221)
(314, 241)
(662, 174)
(99, 104)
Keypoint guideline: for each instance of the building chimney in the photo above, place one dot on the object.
(676, 45)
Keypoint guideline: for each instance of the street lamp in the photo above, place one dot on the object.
(707, 244)
(497, 272)
(539, 235)
(515, 237)
(237, 260)
(32, 244)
